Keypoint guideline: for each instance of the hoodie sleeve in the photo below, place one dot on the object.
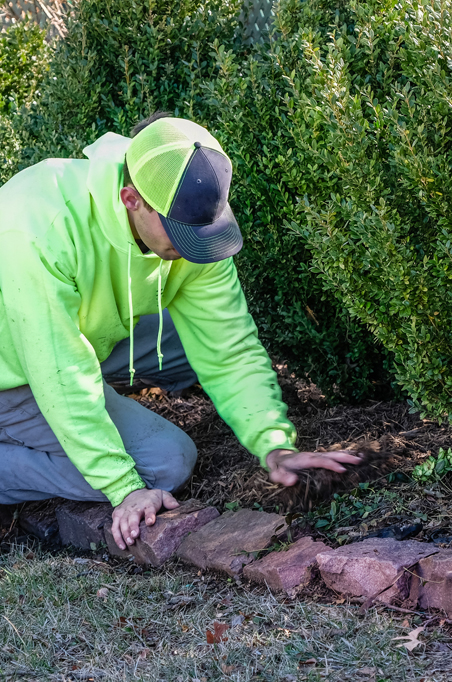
(42, 303)
(220, 339)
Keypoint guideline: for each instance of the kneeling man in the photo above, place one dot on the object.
(115, 265)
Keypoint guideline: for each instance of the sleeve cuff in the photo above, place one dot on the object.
(118, 490)
(275, 440)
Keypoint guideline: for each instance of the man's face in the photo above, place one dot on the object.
(147, 226)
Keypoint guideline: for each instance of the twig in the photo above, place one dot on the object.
(369, 602)
(436, 617)
(424, 580)
(14, 628)
(399, 608)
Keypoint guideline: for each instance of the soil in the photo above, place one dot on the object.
(390, 438)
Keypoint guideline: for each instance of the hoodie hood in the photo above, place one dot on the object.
(105, 179)
(104, 182)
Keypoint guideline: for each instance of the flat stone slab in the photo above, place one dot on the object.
(364, 569)
(82, 524)
(7, 515)
(433, 588)
(287, 570)
(229, 542)
(39, 519)
(159, 542)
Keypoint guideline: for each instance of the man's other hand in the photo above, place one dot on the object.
(139, 504)
(284, 465)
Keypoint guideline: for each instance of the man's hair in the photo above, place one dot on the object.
(135, 130)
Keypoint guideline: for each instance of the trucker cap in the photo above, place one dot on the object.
(180, 169)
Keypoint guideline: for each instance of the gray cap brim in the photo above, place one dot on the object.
(205, 243)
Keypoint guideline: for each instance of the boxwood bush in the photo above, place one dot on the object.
(379, 94)
(358, 154)
(122, 59)
(23, 62)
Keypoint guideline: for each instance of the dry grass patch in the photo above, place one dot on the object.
(72, 618)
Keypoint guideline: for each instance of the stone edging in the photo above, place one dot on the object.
(376, 569)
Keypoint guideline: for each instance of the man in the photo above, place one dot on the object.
(87, 248)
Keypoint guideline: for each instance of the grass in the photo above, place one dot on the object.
(56, 625)
(152, 626)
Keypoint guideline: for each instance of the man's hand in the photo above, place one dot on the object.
(284, 465)
(139, 504)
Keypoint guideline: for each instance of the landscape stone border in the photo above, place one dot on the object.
(247, 543)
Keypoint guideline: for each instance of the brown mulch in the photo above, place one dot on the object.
(391, 438)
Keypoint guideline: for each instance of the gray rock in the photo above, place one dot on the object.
(231, 541)
(39, 519)
(364, 569)
(6, 515)
(82, 523)
(287, 570)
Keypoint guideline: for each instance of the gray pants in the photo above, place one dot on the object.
(33, 465)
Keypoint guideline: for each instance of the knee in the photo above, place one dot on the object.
(172, 466)
(184, 460)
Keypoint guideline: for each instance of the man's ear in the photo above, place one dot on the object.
(130, 198)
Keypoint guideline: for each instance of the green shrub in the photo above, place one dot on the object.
(119, 61)
(434, 468)
(255, 106)
(23, 61)
(378, 94)
(122, 59)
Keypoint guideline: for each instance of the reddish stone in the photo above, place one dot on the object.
(112, 547)
(82, 523)
(364, 569)
(433, 588)
(39, 519)
(289, 569)
(158, 543)
(228, 543)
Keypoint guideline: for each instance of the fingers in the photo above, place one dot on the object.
(331, 460)
(116, 532)
(343, 456)
(129, 513)
(285, 466)
(283, 476)
(126, 527)
(130, 526)
(161, 499)
(325, 463)
(169, 502)
(150, 512)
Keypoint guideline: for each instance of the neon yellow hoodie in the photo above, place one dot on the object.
(64, 243)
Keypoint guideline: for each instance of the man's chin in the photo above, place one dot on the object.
(171, 255)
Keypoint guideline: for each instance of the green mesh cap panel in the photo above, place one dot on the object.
(158, 155)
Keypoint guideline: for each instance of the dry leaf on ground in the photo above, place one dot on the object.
(228, 669)
(179, 601)
(217, 635)
(412, 639)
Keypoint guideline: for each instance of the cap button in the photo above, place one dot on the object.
(198, 145)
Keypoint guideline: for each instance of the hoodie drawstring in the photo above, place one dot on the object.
(129, 278)
(159, 335)
(159, 299)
